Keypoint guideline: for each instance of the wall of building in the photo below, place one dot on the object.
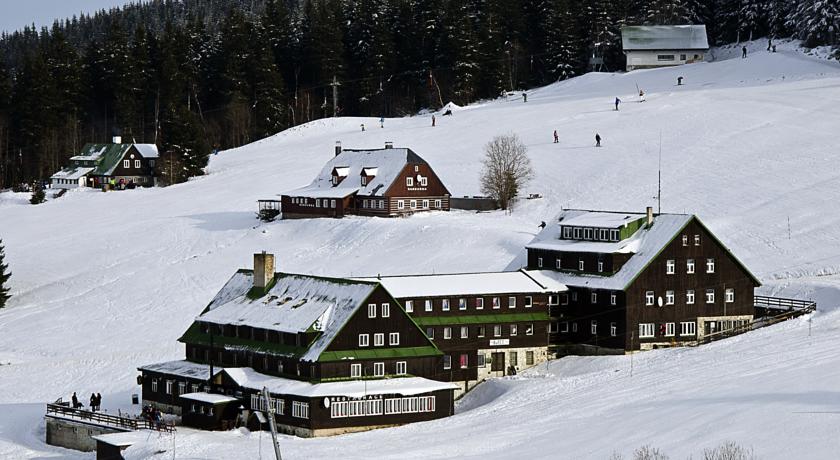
(650, 59)
(73, 434)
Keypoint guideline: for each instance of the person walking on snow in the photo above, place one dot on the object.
(641, 95)
(75, 401)
(743, 52)
(524, 97)
(433, 121)
(93, 402)
(381, 122)
(556, 137)
(617, 101)
(597, 140)
(99, 402)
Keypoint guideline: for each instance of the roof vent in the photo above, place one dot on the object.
(389, 145)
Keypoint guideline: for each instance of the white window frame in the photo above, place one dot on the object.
(355, 370)
(424, 181)
(136, 164)
(529, 329)
(613, 330)
(479, 303)
(613, 298)
(646, 330)
(594, 297)
(710, 265)
(465, 332)
(413, 204)
(580, 265)
(379, 339)
(539, 262)
(593, 327)
(154, 385)
(462, 304)
(432, 331)
(393, 338)
(529, 301)
(697, 240)
(710, 296)
(386, 310)
(685, 240)
(559, 263)
(409, 181)
(401, 368)
(514, 329)
(409, 306)
(669, 297)
(400, 204)
(729, 295)
(447, 333)
(650, 298)
(600, 266)
(170, 385)
(497, 330)
(371, 310)
(670, 266)
(669, 329)
(497, 303)
(127, 164)
(564, 327)
(438, 204)
(378, 369)
(425, 204)
(689, 266)
(689, 297)
(512, 302)
(428, 305)
(364, 340)
(688, 328)
(444, 304)
(614, 235)
(447, 362)
(464, 361)
(300, 409)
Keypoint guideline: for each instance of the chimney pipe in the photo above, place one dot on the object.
(337, 148)
(263, 269)
(117, 140)
(389, 145)
(649, 216)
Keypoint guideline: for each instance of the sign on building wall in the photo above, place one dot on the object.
(499, 342)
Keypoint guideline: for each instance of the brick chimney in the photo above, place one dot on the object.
(263, 269)
(649, 216)
(337, 148)
(117, 140)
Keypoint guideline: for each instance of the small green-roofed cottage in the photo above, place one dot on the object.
(118, 164)
(322, 355)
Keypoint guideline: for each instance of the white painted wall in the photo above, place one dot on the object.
(649, 59)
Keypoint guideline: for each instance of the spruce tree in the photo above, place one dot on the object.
(185, 146)
(5, 274)
(817, 22)
(38, 195)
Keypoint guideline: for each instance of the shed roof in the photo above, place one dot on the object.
(682, 37)
(72, 173)
(456, 284)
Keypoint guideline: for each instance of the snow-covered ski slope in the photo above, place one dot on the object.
(104, 282)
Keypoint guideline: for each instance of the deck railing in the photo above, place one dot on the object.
(108, 419)
(783, 308)
(781, 303)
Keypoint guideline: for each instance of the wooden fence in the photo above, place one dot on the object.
(114, 421)
(789, 308)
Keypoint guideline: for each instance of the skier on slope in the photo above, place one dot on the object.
(617, 101)
(556, 137)
(641, 95)
(743, 51)
(597, 140)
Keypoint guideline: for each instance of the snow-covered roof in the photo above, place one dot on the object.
(599, 219)
(295, 303)
(72, 173)
(684, 37)
(465, 284)
(406, 386)
(645, 244)
(147, 150)
(388, 162)
(91, 152)
(182, 368)
(123, 439)
(210, 398)
(108, 156)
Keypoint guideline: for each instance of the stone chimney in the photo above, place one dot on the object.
(263, 269)
(389, 145)
(649, 216)
(337, 148)
(117, 140)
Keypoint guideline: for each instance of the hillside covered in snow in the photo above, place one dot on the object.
(106, 282)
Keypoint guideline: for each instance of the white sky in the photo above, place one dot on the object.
(15, 14)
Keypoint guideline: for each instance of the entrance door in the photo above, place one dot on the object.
(498, 362)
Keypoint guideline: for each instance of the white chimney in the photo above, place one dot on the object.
(263, 269)
(389, 145)
(117, 140)
(649, 216)
(337, 148)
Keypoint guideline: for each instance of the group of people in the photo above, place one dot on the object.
(152, 414)
(95, 402)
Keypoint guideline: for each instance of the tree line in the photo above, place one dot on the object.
(195, 75)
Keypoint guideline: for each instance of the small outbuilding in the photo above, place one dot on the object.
(209, 411)
(648, 47)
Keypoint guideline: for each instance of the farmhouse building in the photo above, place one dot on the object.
(100, 164)
(323, 355)
(384, 182)
(661, 46)
(639, 281)
(486, 324)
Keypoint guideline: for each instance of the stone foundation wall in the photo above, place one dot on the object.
(74, 435)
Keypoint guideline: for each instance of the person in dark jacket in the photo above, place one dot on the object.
(98, 401)
(556, 137)
(617, 101)
(743, 52)
(93, 402)
(597, 140)
(75, 401)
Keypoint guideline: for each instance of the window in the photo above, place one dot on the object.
(574, 297)
(332, 203)
(400, 204)
(182, 388)
(529, 302)
(567, 232)
(364, 180)
(613, 298)
(364, 340)
(593, 327)
(425, 204)
(381, 204)
(378, 369)
(578, 233)
(613, 330)
(554, 299)
(685, 240)
(614, 235)
(580, 265)
(154, 386)
(371, 310)
(137, 164)
(430, 332)
(669, 297)
(169, 387)
(649, 298)
(465, 332)
(386, 310)
(688, 328)
(413, 204)
(428, 305)
(513, 329)
(588, 233)
(669, 329)
(564, 327)
(438, 204)
(600, 266)
(394, 338)
(539, 262)
(682, 57)
(300, 409)
(559, 263)
(401, 368)
(665, 57)
(424, 181)
(462, 304)
(710, 265)
(481, 360)
(447, 333)
(194, 388)
(151, 163)
(645, 330)
(479, 303)
(479, 331)
(378, 339)
(529, 329)
(444, 304)
(603, 236)
(730, 295)
(594, 297)
(669, 266)
(497, 330)
(689, 266)
(529, 358)
(689, 297)
(126, 164)
(409, 182)
(511, 302)
(364, 204)
(355, 370)
(553, 327)
(710, 296)
(464, 361)
(409, 306)
(447, 362)
(697, 240)
(514, 358)
(497, 303)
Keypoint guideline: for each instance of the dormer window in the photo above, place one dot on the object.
(614, 235)
(338, 174)
(364, 181)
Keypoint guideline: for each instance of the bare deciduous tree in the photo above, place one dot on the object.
(507, 169)
(729, 451)
(649, 453)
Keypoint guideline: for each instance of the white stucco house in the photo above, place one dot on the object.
(647, 47)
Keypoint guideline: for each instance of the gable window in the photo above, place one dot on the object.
(594, 297)
(409, 306)
(462, 304)
(649, 298)
(539, 262)
(401, 368)
(409, 182)
(697, 240)
(479, 331)
(580, 265)
(685, 240)
(710, 296)
(364, 340)
(669, 329)
(355, 370)
(670, 264)
(669, 297)
(386, 310)
(430, 332)
(730, 295)
(378, 369)
(378, 339)
(371, 310)
(511, 302)
(613, 298)
(447, 362)
(444, 304)
(364, 181)
(400, 204)
(689, 297)
(688, 328)
(645, 330)
(613, 330)
(479, 303)
(126, 164)
(137, 164)
(710, 265)
(394, 338)
(513, 330)
(593, 327)
(497, 330)
(600, 266)
(529, 302)
(428, 304)
(424, 181)
(689, 266)
(447, 333)
(465, 332)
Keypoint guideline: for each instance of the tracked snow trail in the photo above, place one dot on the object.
(106, 282)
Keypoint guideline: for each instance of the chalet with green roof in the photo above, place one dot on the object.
(116, 164)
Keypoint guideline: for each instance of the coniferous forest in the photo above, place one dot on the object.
(194, 75)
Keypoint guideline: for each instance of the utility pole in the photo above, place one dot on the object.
(659, 179)
(335, 84)
(271, 423)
